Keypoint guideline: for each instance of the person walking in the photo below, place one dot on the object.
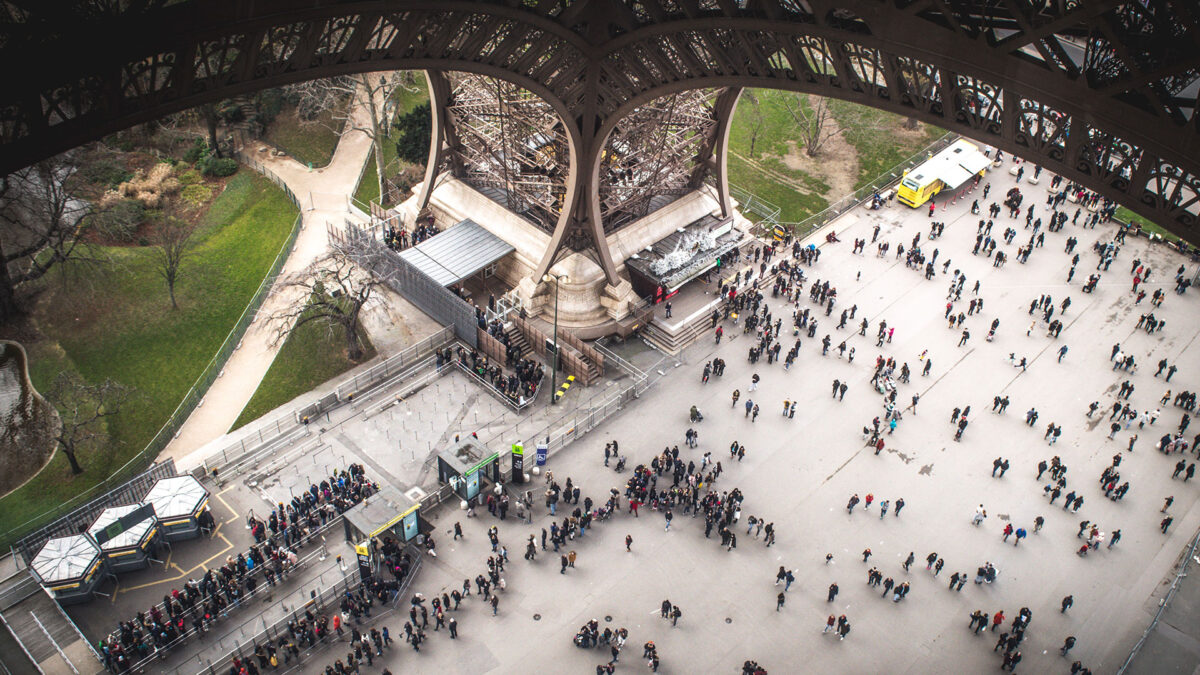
(628, 543)
(833, 591)
(1067, 603)
(779, 600)
(1067, 645)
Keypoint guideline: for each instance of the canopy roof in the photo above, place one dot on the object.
(65, 559)
(456, 253)
(177, 497)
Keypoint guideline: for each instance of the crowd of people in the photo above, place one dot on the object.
(519, 385)
(193, 609)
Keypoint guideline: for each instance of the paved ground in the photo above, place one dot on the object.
(799, 473)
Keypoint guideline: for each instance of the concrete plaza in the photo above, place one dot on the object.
(800, 472)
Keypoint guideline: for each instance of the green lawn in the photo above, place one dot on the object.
(794, 205)
(1125, 216)
(775, 130)
(308, 142)
(404, 99)
(311, 355)
(117, 322)
(873, 134)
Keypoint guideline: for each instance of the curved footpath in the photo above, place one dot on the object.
(324, 194)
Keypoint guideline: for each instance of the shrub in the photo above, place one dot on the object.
(415, 129)
(219, 167)
(196, 195)
(107, 172)
(189, 177)
(150, 189)
(120, 221)
(197, 152)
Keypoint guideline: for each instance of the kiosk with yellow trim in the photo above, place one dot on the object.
(127, 536)
(387, 514)
(70, 568)
(181, 504)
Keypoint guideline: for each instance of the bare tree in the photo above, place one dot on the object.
(814, 121)
(332, 290)
(42, 224)
(369, 106)
(83, 408)
(172, 246)
(757, 118)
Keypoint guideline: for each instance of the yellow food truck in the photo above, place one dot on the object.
(949, 169)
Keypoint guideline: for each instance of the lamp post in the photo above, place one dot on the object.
(554, 368)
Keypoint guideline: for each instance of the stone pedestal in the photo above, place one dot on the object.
(585, 298)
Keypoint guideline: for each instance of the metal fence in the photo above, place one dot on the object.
(296, 598)
(816, 221)
(1180, 574)
(417, 287)
(82, 517)
(262, 436)
(323, 597)
(248, 159)
(748, 201)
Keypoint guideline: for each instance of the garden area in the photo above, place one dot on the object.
(404, 99)
(802, 152)
(108, 315)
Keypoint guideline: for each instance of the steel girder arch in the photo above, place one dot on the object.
(1098, 149)
(1103, 91)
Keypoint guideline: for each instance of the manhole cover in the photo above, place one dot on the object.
(537, 617)
(728, 620)
(608, 618)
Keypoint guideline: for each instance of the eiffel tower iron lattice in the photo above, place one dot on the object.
(1102, 92)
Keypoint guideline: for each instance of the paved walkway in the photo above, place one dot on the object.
(799, 473)
(324, 195)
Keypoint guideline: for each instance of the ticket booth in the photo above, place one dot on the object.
(70, 568)
(468, 467)
(181, 505)
(127, 536)
(387, 514)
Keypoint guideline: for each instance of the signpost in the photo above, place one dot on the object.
(518, 463)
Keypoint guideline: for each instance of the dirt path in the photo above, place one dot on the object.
(836, 165)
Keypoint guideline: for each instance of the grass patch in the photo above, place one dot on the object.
(878, 137)
(312, 354)
(1126, 216)
(794, 206)
(116, 322)
(308, 142)
(775, 124)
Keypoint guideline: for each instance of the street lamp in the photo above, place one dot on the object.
(554, 371)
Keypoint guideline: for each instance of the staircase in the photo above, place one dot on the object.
(675, 341)
(518, 341)
(43, 630)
